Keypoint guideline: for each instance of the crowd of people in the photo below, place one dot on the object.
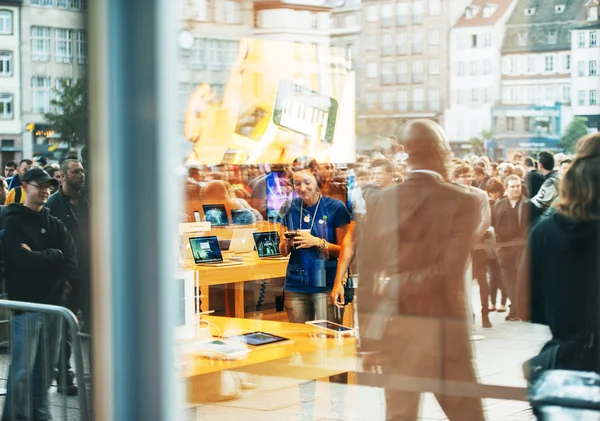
(45, 256)
(408, 218)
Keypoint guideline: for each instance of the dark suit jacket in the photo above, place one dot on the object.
(499, 218)
(419, 234)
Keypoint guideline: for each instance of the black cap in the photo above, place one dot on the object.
(40, 176)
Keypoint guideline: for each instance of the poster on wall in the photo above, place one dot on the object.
(282, 100)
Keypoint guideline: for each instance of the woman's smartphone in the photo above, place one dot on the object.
(290, 234)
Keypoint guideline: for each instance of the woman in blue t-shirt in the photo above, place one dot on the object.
(320, 224)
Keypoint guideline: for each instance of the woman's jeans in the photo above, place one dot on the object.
(34, 344)
(304, 307)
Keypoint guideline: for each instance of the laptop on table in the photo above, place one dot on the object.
(242, 240)
(267, 245)
(216, 215)
(207, 252)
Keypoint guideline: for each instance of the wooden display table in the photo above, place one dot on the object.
(233, 277)
(310, 356)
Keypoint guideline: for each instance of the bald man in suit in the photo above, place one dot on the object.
(412, 257)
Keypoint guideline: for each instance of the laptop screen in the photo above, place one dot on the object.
(206, 249)
(267, 243)
(216, 215)
(242, 217)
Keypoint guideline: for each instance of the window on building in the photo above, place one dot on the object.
(35, 2)
(435, 7)
(6, 107)
(581, 95)
(40, 90)
(402, 14)
(552, 36)
(559, 8)
(510, 124)
(6, 63)
(593, 97)
(372, 70)
(530, 11)
(581, 40)
(199, 53)
(59, 86)
(402, 46)
(522, 38)
(372, 13)
(6, 22)
(550, 94)
(417, 71)
(460, 68)
(62, 4)
(566, 93)
(417, 12)
(418, 99)
(487, 67)
(48, 3)
(387, 47)
(417, 42)
(549, 63)
(434, 36)
(473, 40)
(231, 12)
(486, 95)
(434, 99)
(82, 52)
(593, 38)
(78, 4)
(473, 68)
(531, 63)
(402, 99)
(63, 45)
(371, 100)
(402, 72)
(40, 43)
(387, 14)
(592, 68)
(567, 62)
(387, 100)
(512, 64)
(592, 13)
(581, 68)
(434, 66)
(371, 42)
(474, 95)
(489, 10)
(487, 39)
(387, 76)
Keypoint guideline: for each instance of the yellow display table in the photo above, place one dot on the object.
(311, 355)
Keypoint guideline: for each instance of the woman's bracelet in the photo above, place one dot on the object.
(323, 245)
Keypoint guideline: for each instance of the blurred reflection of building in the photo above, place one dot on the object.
(405, 58)
(585, 57)
(10, 82)
(536, 76)
(475, 70)
(345, 29)
(54, 48)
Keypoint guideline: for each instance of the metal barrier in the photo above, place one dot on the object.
(73, 327)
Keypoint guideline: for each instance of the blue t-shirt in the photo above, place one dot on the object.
(308, 269)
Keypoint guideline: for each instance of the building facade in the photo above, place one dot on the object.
(536, 77)
(10, 80)
(585, 57)
(475, 70)
(345, 30)
(54, 51)
(405, 61)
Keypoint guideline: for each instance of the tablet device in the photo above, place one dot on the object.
(222, 349)
(259, 338)
(332, 327)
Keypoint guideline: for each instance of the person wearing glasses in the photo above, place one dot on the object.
(40, 263)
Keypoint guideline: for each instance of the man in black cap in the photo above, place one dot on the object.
(40, 263)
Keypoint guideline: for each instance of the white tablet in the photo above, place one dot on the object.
(332, 327)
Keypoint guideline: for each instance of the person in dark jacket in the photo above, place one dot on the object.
(70, 204)
(40, 263)
(563, 271)
(510, 219)
(533, 179)
(15, 181)
(549, 190)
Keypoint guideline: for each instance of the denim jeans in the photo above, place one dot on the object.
(303, 307)
(34, 346)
